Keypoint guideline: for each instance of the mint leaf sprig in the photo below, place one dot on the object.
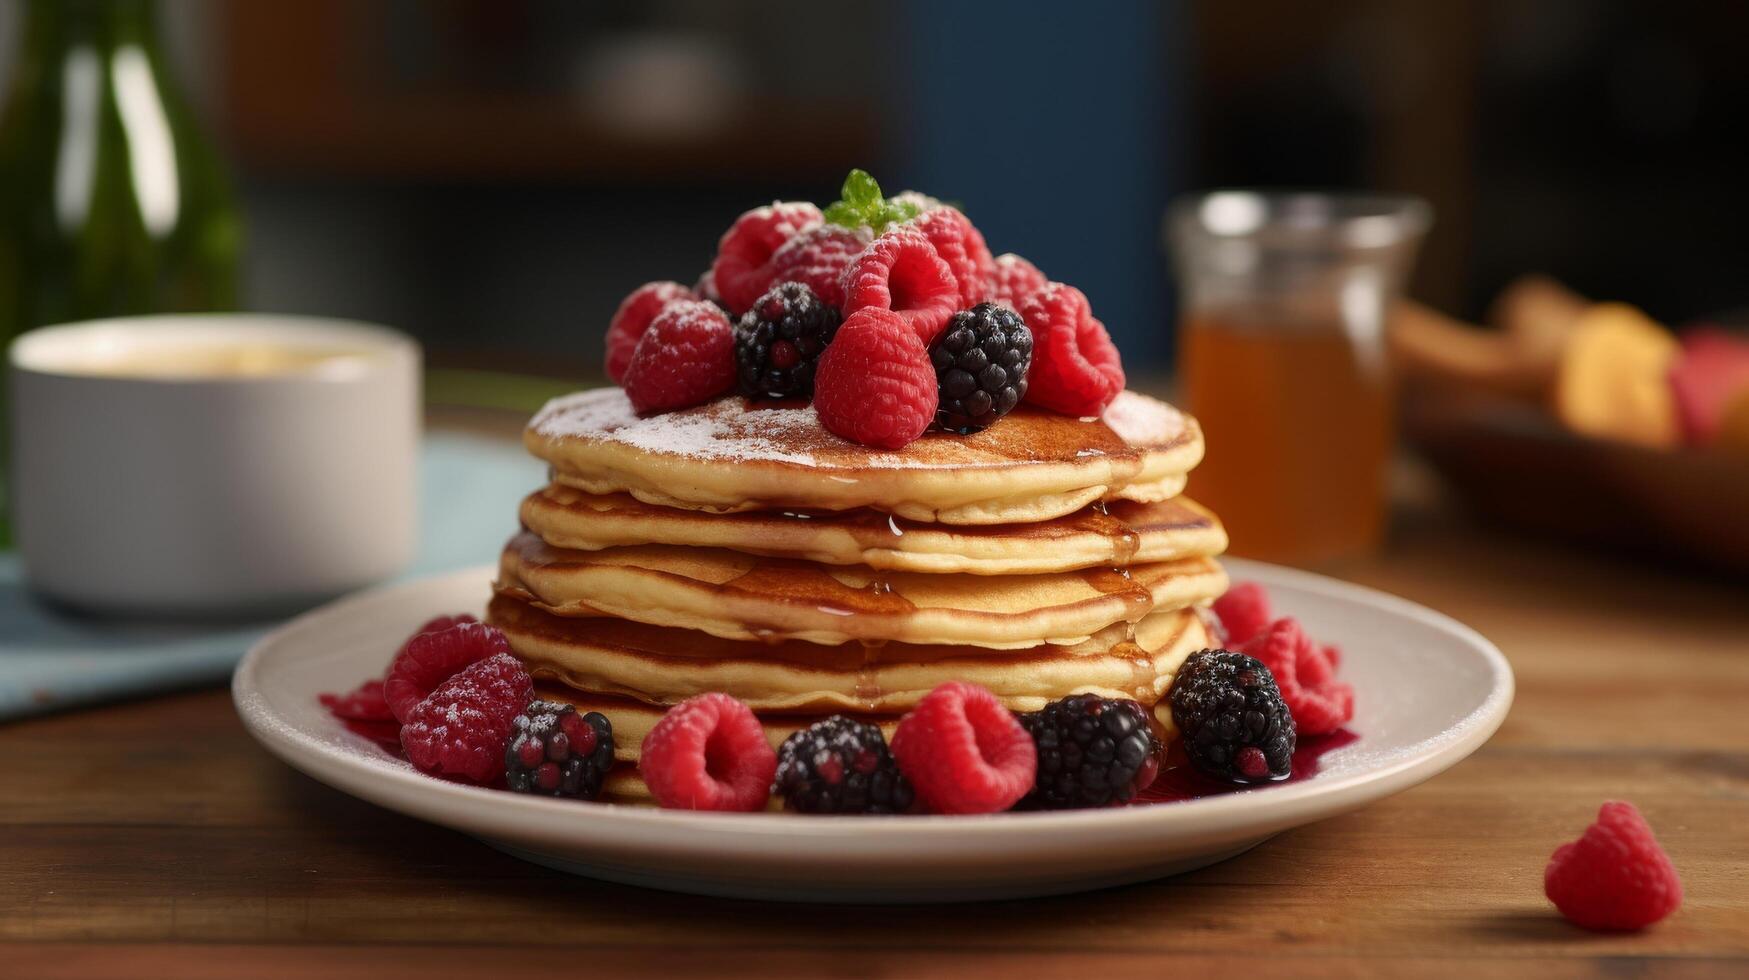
(860, 203)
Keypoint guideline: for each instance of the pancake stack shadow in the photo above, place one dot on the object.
(743, 549)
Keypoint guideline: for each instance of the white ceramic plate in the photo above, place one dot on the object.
(1429, 691)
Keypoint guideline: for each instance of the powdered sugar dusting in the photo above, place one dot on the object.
(1143, 421)
(725, 429)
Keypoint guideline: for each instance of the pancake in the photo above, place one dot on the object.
(1116, 534)
(747, 597)
(664, 666)
(727, 457)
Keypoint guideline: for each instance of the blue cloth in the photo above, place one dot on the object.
(51, 659)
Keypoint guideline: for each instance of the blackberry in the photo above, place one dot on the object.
(840, 765)
(1232, 719)
(778, 342)
(980, 361)
(558, 752)
(1092, 752)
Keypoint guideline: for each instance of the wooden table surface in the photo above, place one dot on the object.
(155, 838)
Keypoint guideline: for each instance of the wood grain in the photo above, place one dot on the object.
(155, 839)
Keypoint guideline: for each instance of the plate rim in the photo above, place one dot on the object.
(709, 830)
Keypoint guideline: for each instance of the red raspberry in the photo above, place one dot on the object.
(900, 271)
(740, 272)
(366, 703)
(1615, 877)
(431, 657)
(1075, 367)
(708, 753)
(964, 752)
(1013, 279)
(874, 384)
(1243, 611)
(1306, 675)
(706, 287)
(818, 257)
(687, 357)
(962, 248)
(463, 728)
(633, 318)
(437, 624)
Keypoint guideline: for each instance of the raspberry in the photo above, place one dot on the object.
(1231, 718)
(462, 729)
(964, 752)
(1306, 675)
(431, 657)
(980, 363)
(1075, 367)
(633, 318)
(705, 288)
(365, 703)
(840, 765)
(779, 340)
(686, 358)
(1092, 752)
(740, 271)
(1615, 877)
(875, 384)
(438, 624)
(915, 200)
(962, 248)
(900, 271)
(708, 753)
(818, 258)
(1013, 279)
(1243, 611)
(558, 752)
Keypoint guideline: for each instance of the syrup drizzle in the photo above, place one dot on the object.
(1142, 672)
(1138, 601)
(1125, 540)
(868, 687)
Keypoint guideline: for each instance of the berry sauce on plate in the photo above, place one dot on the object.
(1179, 781)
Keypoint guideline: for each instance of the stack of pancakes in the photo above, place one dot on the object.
(741, 548)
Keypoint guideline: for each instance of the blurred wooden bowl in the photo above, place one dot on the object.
(1513, 462)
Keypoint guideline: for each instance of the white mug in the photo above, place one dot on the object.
(171, 491)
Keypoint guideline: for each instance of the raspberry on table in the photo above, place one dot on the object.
(431, 657)
(686, 358)
(818, 258)
(1013, 280)
(1092, 752)
(740, 272)
(633, 318)
(556, 751)
(779, 340)
(365, 703)
(901, 271)
(1305, 673)
(874, 384)
(708, 753)
(1231, 718)
(460, 730)
(1244, 612)
(1075, 366)
(840, 765)
(962, 247)
(964, 752)
(981, 361)
(1615, 877)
